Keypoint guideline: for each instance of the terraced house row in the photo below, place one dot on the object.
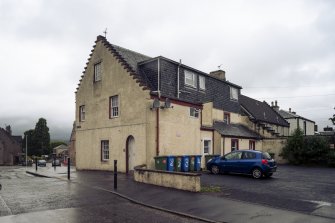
(131, 107)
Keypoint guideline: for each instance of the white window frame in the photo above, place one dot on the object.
(202, 82)
(97, 71)
(114, 103)
(194, 112)
(233, 93)
(82, 113)
(209, 146)
(104, 150)
(190, 79)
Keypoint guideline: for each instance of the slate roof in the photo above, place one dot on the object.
(235, 130)
(289, 115)
(131, 57)
(261, 111)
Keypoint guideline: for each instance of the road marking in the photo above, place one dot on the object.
(4, 209)
(320, 203)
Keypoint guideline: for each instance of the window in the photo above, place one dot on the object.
(249, 155)
(190, 79)
(194, 112)
(104, 150)
(234, 144)
(202, 85)
(252, 145)
(207, 146)
(233, 156)
(226, 118)
(97, 72)
(233, 93)
(82, 113)
(114, 106)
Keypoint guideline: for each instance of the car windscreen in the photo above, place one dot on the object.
(266, 155)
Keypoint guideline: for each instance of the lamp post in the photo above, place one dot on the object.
(26, 150)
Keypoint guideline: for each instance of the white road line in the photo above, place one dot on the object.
(320, 203)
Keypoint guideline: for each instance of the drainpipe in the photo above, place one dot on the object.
(178, 81)
(157, 132)
(157, 110)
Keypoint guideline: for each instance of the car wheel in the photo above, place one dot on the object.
(215, 169)
(257, 173)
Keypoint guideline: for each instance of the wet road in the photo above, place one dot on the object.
(25, 198)
(309, 190)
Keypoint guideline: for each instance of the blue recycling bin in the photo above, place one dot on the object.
(170, 163)
(185, 163)
(197, 163)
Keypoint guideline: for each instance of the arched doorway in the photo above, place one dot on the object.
(130, 153)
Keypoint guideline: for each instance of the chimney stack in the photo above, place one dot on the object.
(275, 106)
(221, 74)
(289, 110)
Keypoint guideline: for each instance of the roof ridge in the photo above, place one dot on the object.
(140, 54)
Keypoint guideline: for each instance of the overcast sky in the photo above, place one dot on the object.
(276, 50)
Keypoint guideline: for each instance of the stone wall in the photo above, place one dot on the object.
(178, 180)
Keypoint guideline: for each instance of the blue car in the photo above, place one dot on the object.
(256, 163)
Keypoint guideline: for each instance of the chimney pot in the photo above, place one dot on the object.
(271, 103)
(276, 103)
(289, 110)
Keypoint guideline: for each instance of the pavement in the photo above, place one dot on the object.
(200, 206)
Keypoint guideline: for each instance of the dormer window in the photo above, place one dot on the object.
(190, 79)
(97, 72)
(202, 85)
(233, 93)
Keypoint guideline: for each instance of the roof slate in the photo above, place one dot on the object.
(261, 111)
(235, 130)
(131, 57)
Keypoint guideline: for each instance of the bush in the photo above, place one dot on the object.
(306, 150)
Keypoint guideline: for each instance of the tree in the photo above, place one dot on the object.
(302, 149)
(41, 137)
(30, 142)
(332, 119)
(293, 149)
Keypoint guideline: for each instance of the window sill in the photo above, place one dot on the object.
(190, 87)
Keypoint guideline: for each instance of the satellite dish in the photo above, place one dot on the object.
(167, 103)
(156, 103)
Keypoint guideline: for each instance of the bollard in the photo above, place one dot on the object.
(68, 168)
(115, 174)
(36, 163)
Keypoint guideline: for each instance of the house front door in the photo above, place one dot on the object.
(130, 154)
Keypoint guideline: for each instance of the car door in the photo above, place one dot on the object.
(247, 162)
(230, 163)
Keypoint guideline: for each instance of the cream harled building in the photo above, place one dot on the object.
(131, 108)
